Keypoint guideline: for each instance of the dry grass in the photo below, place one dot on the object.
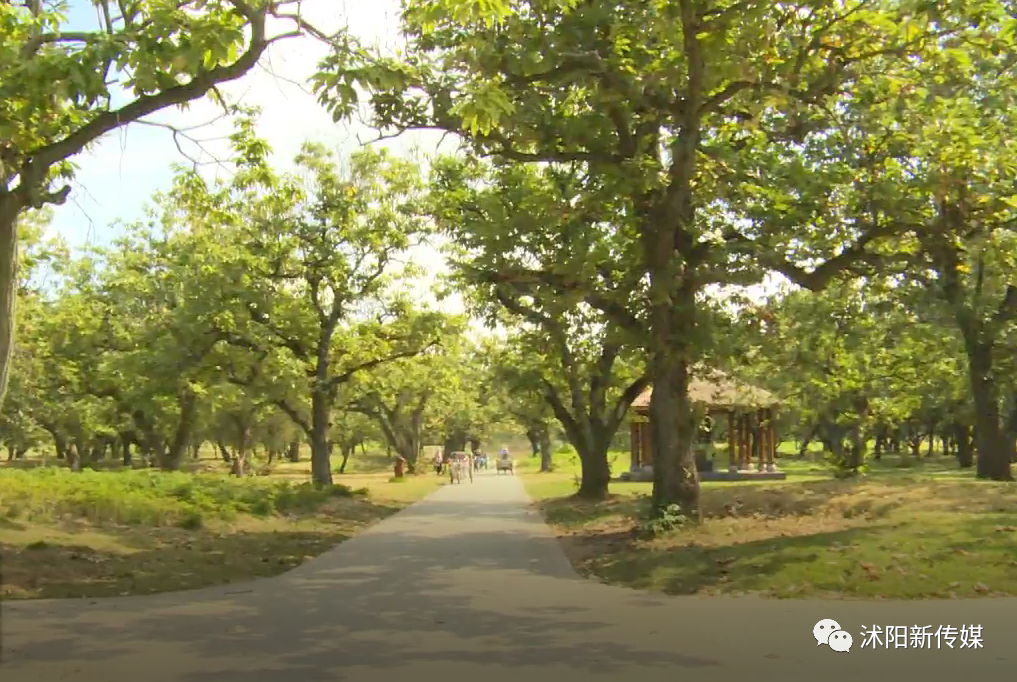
(891, 536)
(101, 537)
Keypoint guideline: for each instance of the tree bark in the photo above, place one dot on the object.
(545, 449)
(321, 465)
(675, 480)
(533, 435)
(9, 209)
(993, 458)
(126, 441)
(596, 474)
(293, 450)
(59, 442)
(73, 458)
(454, 442)
(173, 457)
(346, 449)
(965, 455)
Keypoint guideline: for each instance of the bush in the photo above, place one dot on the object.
(669, 521)
(146, 497)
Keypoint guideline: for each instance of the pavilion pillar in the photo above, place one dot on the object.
(771, 430)
(761, 430)
(743, 441)
(732, 443)
(646, 451)
(634, 445)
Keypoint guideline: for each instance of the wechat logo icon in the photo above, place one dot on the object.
(829, 632)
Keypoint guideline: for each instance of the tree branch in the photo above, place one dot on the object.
(47, 155)
(348, 374)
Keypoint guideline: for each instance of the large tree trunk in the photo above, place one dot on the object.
(1010, 428)
(533, 435)
(877, 453)
(73, 458)
(993, 456)
(9, 208)
(454, 442)
(59, 442)
(672, 428)
(173, 456)
(293, 450)
(321, 465)
(596, 474)
(346, 449)
(962, 438)
(545, 449)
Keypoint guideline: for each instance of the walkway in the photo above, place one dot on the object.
(469, 582)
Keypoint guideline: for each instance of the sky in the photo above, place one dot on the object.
(119, 174)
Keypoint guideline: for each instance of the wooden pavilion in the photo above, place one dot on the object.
(750, 415)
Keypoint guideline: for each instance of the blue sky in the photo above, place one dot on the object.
(124, 169)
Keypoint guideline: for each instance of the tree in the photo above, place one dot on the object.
(305, 291)
(585, 366)
(39, 258)
(851, 362)
(400, 396)
(937, 169)
(62, 90)
(467, 401)
(350, 429)
(651, 104)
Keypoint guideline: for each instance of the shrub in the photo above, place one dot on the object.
(147, 497)
(670, 520)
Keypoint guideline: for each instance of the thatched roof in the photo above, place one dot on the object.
(713, 388)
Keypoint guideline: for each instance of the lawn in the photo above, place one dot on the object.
(916, 532)
(110, 533)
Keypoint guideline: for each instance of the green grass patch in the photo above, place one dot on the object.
(110, 533)
(151, 498)
(891, 534)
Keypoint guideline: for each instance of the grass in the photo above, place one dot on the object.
(915, 532)
(109, 533)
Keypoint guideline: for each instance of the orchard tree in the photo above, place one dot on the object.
(350, 430)
(62, 90)
(651, 105)
(40, 259)
(401, 395)
(851, 361)
(927, 158)
(153, 328)
(300, 271)
(587, 379)
(963, 206)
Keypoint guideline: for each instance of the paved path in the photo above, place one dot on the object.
(470, 582)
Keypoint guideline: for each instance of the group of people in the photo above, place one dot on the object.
(477, 459)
